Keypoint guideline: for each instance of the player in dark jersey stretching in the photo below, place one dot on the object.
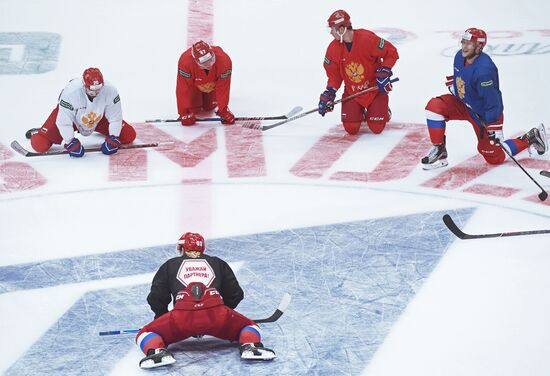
(475, 97)
(204, 290)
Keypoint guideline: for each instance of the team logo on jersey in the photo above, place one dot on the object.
(195, 270)
(90, 120)
(207, 88)
(355, 72)
(460, 87)
(117, 99)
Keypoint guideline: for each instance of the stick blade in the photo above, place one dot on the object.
(451, 225)
(294, 111)
(18, 148)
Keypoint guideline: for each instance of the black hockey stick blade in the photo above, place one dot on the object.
(451, 225)
(26, 153)
(278, 312)
(545, 173)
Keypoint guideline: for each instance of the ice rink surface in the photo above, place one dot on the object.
(349, 225)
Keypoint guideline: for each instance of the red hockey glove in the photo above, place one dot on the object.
(226, 115)
(188, 118)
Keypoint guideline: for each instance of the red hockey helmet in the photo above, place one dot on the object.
(191, 241)
(93, 81)
(339, 18)
(476, 36)
(203, 54)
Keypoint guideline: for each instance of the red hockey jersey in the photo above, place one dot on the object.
(357, 67)
(190, 75)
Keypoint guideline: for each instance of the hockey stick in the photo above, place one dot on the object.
(451, 225)
(316, 109)
(543, 195)
(292, 112)
(285, 301)
(26, 153)
(545, 173)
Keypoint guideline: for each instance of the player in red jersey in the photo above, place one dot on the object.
(204, 82)
(360, 59)
(204, 291)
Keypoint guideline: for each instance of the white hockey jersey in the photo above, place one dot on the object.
(76, 108)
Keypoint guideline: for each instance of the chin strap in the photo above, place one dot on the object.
(342, 35)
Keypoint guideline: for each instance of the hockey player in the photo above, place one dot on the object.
(475, 97)
(361, 59)
(85, 105)
(204, 290)
(203, 83)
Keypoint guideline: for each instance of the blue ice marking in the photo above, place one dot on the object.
(28, 53)
(350, 282)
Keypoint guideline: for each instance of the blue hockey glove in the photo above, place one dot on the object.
(111, 145)
(75, 148)
(383, 75)
(326, 101)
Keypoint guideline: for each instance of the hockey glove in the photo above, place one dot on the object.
(75, 148)
(111, 145)
(449, 82)
(326, 101)
(383, 75)
(495, 134)
(188, 118)
(226, 115)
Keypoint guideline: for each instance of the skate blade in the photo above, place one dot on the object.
(437, 164)
(265, 355)
(150, 363)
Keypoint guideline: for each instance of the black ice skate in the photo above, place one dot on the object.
(157, 358)
(256, 351)
(436, 158)
(537, 139)
(31, 132)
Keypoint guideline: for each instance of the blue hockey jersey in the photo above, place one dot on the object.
(476, 85)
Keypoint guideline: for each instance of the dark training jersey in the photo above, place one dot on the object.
(177, 273)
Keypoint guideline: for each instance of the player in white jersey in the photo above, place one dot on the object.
(85, 105)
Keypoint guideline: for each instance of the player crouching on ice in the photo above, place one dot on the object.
(360, 59)
(205, 291)
(85, 105)
(475, 97)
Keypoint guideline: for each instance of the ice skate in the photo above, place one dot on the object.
(256, 351)
(157, 358)
(436, 158)
(537, 139)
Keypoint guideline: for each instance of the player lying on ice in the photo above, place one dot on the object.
(205, 291)
(475, 97)
(84, 106)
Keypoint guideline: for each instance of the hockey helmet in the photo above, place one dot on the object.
(477, 36)
(203, 54)
(93, 81)
(339, 18)
(190, 242)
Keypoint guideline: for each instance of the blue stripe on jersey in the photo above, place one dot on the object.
(512, 145)
(435, 123)
(147, 338)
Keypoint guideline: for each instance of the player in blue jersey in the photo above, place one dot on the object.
(475, 97)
